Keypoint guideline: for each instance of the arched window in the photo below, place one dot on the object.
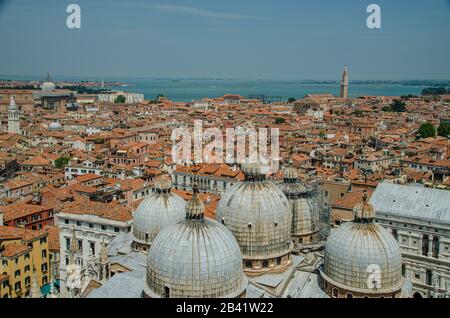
(166, 292)
(425, 245)
(435, 246)
(265, 264)
(417, 295)
(429, 278)
(349, 295)
(248, 264)
(394, 234)
(335, 293)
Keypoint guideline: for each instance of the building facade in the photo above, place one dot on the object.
(419, 219)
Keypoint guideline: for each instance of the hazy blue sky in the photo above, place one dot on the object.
(270, 39)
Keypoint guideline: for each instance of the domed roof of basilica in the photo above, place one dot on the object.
(257, 213)
(196, 257)
(305, 207)
(161, 208)
(360, 251)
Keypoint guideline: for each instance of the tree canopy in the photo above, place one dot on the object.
(120, 99)
(427, 130)
(61, 162)
(397, 106)
(444, 130)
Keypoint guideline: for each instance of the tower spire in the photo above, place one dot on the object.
(35, 291)
(344, 83)
(73, 247)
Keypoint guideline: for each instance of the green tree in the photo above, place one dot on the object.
(61, 162)
(358, 113)
(322, 134)
(291, 100)
(444, 130)
(279, 121)
(427, 130)
(120, 99)
(398, 106)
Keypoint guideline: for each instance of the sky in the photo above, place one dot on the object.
(239, 39)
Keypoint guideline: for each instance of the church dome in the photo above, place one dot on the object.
(305, 208)
(55, 126)
(259, 215)
(48, 85)
(195, 258)
(364, 258)
(158, 210)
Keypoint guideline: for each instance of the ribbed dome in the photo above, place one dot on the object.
(158, 210)
(255, 167)
(354, 250)
(48, 87)
(305, 211)
(197, 258)
(259, 216)
(290, 173)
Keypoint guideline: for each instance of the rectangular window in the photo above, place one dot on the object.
(17, 286)
(44, 254)
(67, 243)
(103, 227)
(27, 268)
(44, 267)
(27, 281)
(80, 245)
(66, 221)
(91, 226)
(17, 273)
(116, 229)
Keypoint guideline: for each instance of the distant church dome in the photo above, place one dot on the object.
(55, 126)
(259, 215)
(305, 208)
(48, 86)
(362, 259)
(195, 258)
(157, 211)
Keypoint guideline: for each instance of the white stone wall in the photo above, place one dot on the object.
(88, 228)
(410, 234)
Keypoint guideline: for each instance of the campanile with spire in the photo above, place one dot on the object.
(344, 83)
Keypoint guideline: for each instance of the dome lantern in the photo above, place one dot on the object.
(364, 211)
(195, 209)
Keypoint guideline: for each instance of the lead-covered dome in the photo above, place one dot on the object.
(304, 207)
(196, 257)
(362, 259)
(259, 215)
(161, 208)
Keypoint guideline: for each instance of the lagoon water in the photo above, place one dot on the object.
(192, 89)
